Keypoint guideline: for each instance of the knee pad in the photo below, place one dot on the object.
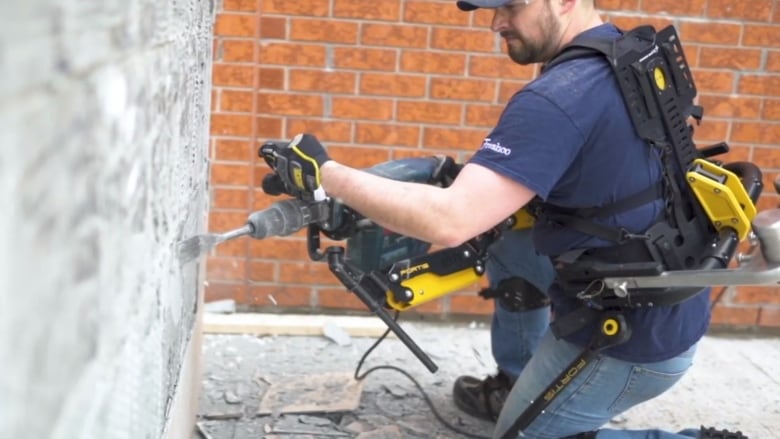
(517, 294)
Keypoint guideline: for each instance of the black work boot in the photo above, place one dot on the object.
(482, 398)
(586, 435)
(712, 433)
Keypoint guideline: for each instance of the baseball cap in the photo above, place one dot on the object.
(471, 5)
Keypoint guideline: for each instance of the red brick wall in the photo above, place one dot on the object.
(378, 80)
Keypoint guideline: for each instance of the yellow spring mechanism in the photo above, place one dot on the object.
(722, 196)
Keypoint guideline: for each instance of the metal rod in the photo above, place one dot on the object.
(246, 230)
(754, 271)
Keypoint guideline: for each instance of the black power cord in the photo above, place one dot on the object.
(359, 377)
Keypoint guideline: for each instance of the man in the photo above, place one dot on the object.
(519, 279)
(567, 139)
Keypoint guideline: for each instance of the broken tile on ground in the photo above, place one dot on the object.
(388, 432)
(313, 393)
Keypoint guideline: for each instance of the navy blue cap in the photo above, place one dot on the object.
(471, 5)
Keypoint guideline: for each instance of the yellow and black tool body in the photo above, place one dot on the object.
(428, 277)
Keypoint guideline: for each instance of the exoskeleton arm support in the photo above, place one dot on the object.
(370, 290)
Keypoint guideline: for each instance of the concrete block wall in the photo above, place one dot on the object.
(383, 80)
(104, 112)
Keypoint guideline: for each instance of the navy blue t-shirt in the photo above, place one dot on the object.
(568, 137)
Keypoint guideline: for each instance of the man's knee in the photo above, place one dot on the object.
(517, 294)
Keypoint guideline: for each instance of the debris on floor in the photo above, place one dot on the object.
(730, 385)
(314, 393)
(226, 306)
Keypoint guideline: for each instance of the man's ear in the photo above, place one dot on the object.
(567, 5)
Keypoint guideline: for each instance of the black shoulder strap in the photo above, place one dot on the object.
(583, 219)
(634, 40)
(657, 87)
(613, 49)
(582, 49)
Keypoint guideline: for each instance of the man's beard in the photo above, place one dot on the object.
(541, 50)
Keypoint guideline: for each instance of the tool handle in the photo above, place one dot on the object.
(369, 293)
(286, 217)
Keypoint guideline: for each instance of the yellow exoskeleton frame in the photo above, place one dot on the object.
(720, 192)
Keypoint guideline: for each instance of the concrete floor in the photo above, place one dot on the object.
(734, 384)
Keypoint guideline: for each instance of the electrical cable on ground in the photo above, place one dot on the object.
(358, 376)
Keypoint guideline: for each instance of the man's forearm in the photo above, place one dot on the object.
(476, 201)
(413, 209)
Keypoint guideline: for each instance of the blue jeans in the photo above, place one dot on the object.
(602, 390)
(515, 335)
(524, 349)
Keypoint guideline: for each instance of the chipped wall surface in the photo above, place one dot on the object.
(104, 110)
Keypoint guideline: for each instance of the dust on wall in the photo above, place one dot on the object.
(104, 111)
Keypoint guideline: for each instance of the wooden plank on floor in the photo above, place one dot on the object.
(291, 324)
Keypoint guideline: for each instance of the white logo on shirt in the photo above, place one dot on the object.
(495, 147)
